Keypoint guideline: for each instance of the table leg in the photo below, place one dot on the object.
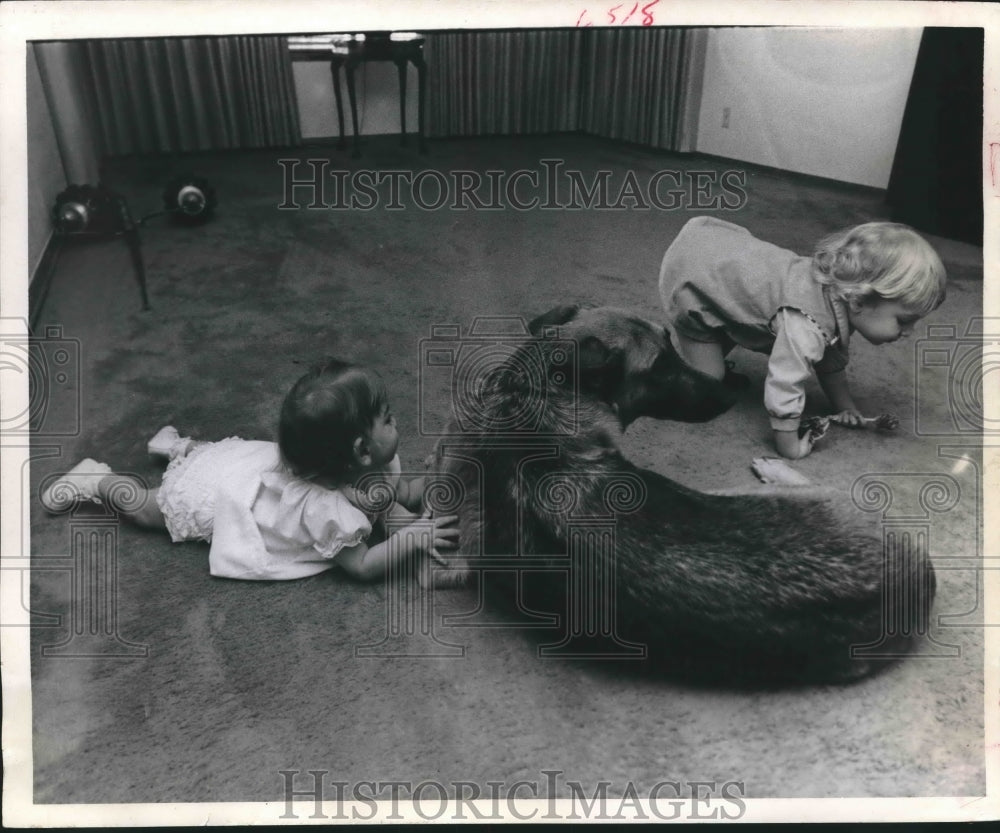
(135, 249)
(421, 65)
(339, 96)
(349, 70)
(401, 69)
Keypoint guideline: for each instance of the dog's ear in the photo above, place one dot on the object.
(600, 367)
(553, 318)
(594, 354)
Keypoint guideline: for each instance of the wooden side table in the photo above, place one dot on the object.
(348, 51)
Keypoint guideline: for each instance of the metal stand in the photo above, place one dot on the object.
(119, 223)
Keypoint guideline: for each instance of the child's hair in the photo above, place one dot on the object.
(886, 260)
(322, 415)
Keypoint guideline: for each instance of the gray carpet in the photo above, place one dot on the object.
(243, 680)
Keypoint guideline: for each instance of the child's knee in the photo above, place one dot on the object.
(705, 356)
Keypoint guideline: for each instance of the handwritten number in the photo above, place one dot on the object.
(647, 15)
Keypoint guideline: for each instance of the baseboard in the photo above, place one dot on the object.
(40, 280)
(795, 176)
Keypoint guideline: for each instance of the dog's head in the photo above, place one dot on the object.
(629, 363)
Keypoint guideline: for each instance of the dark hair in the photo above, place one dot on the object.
(322, 415)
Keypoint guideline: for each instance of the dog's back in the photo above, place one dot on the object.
(748, 588)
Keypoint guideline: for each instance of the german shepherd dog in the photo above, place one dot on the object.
(756, 589)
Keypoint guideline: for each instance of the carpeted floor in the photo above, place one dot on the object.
(243, 680)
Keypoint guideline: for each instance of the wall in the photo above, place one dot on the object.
(827, 102)
(46, 176)
(377, 88)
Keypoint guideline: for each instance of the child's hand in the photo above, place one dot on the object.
(850, 417)
(443, 532)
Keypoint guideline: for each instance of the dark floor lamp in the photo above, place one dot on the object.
(95, 212)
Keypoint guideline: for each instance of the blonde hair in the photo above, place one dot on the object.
(886, 260)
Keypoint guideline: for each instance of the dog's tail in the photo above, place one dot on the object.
(767, 595)
(858, 629)
(903, 615)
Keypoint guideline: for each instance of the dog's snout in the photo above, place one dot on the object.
(684, 394)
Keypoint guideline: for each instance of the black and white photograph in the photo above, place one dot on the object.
(499, 412)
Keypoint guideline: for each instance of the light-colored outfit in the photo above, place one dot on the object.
(721, 284)
(263, 522)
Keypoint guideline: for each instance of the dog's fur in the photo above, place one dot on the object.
(766, 589)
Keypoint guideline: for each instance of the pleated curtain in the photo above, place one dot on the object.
(156, 95)
(183, 94)
(499, 83)
(638, 85)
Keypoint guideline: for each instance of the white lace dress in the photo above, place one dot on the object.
(264, 523)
